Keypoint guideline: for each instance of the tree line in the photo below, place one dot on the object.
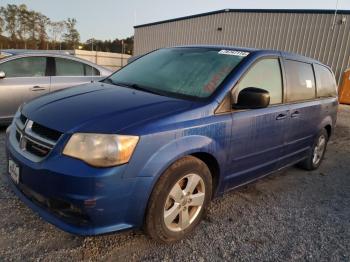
(21, 28)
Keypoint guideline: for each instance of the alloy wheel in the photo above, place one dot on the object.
(184, 202)
(319, 150)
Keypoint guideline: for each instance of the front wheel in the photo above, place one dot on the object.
(316, 154)
(179, 200)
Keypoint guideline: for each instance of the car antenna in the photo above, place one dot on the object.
(92, 49)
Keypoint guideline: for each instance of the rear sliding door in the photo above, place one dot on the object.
(305, 110)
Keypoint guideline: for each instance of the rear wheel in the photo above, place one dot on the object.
(317, 152)
(179, 200)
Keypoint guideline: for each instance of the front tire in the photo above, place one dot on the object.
(316, 154)
(179, 200)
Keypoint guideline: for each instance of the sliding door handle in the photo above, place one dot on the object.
(295, 114)
(281, 116)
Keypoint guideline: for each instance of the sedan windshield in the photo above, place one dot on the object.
(179, 72)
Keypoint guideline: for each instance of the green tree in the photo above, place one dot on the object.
(43, 22)
(72, 37)
(56, 30)
(23, 23)
(10, 15)
(2, 20)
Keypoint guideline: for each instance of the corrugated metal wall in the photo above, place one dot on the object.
(309, 34)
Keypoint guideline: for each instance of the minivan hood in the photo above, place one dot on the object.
(99, 107)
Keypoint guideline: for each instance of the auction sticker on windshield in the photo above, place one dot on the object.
(233, 52)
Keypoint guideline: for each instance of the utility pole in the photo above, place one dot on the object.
(335, 14)
(122, 62)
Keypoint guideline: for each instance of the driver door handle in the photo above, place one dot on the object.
(38, 88)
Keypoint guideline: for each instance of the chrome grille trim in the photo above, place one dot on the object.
(24, 135)
(30, 134)
(19, 124)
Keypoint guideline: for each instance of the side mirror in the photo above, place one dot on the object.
(251, 98)
(2, 74)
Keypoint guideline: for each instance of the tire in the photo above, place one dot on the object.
(166, 219)
(310, 162)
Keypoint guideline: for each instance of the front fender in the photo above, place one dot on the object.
(157, 161)
(169, 153)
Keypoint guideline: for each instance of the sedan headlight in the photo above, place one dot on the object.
(101, 150)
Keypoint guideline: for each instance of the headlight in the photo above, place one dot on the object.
(101, 150)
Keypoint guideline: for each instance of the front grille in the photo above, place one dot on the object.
(23, 119)
(37, 149)
(18, 135)
(35, 139)
(46, 132)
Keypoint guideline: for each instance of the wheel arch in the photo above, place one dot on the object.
(329, 130)
(213, 166)
(326, 124)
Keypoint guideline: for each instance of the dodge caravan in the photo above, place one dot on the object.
(151, 145)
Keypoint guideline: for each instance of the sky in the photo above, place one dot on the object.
(110, 19)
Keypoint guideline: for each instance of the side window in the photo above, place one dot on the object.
(25, 67)
(66, 67)
(265, 74)
(91, 71)
(326, 85)
(300, 81)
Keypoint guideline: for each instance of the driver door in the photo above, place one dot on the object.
(258, 135)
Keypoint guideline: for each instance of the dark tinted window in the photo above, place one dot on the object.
(265, 74)
(89, 70)
(25, 67)
(192, 72)
(67, 67)
(300, 81)
(326, 85)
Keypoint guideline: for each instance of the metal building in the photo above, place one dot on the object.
(320, 34)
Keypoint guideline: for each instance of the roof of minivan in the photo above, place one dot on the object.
(288, 55)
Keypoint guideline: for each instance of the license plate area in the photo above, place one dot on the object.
(14, 171)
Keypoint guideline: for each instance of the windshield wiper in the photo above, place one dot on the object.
(134, 86)
(108, 81)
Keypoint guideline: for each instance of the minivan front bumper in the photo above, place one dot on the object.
(78, 198)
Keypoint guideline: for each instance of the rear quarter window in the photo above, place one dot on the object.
(67, 67)
(326, 85)
(300, 81)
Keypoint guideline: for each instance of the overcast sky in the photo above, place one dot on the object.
(109, 19)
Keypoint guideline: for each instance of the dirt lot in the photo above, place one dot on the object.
(291, 215)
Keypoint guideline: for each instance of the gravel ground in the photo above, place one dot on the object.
(292, 215)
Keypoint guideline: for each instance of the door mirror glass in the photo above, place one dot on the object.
(251, 98)
(2, 74)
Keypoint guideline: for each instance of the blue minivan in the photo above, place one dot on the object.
(149, 146)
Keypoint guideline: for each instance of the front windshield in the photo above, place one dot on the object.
(189, 72)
